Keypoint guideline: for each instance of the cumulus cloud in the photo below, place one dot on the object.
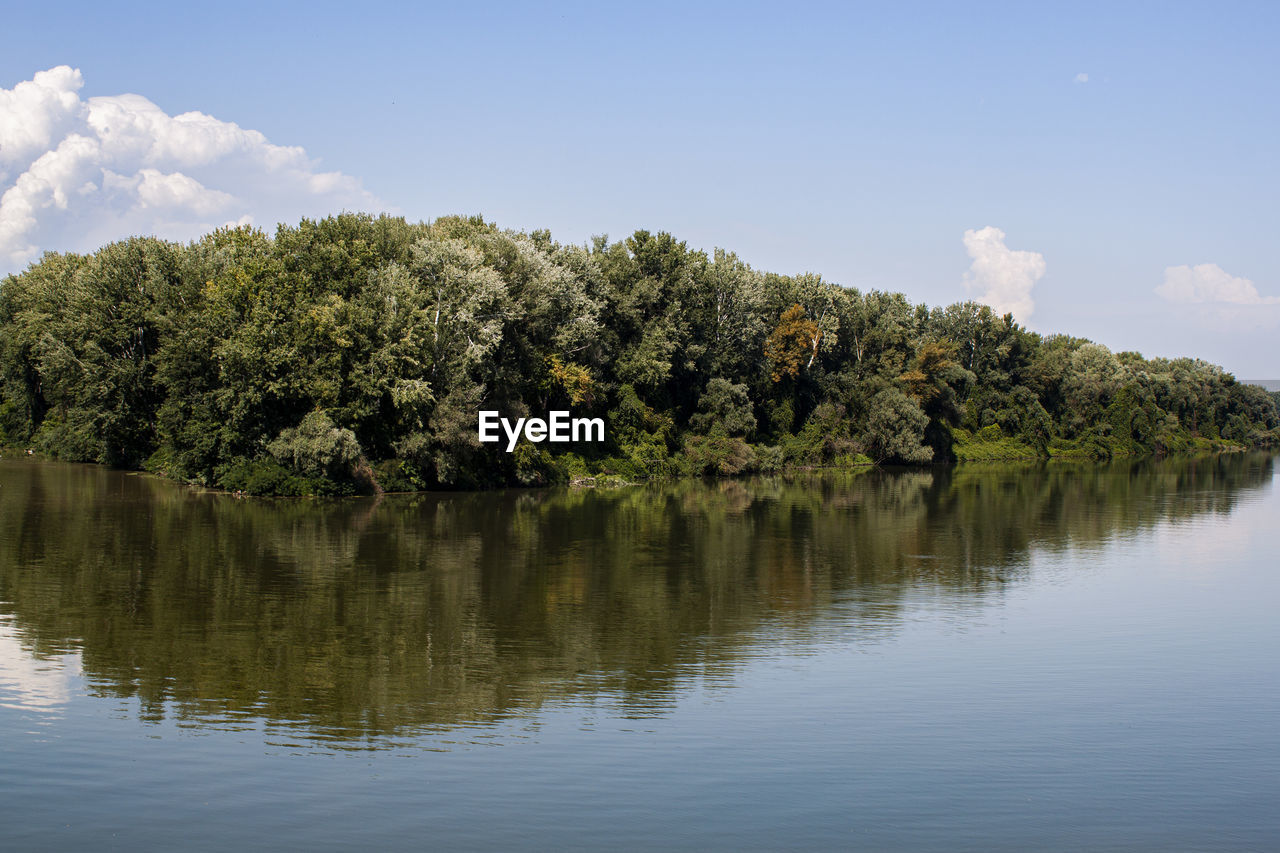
(76, 173)
(999, 276)
(1082, 77)
(1210, 283)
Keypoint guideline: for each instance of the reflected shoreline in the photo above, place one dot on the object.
(377, 617)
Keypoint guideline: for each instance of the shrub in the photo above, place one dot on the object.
(322, 452)
(717, 454)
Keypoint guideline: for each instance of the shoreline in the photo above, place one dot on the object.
(610, 481)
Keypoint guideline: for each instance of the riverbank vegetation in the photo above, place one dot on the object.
(353, 354)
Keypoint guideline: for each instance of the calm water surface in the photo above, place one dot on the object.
(987, 658)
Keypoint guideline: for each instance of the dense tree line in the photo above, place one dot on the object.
(353, 353)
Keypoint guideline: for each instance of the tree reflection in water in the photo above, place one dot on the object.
(363, 619)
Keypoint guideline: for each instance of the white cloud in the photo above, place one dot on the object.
(1210, 283)
(31, 683)
(76, 173)
(1082, 77)
(35, 113)
(999, 276)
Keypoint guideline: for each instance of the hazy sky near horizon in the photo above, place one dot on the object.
(1106, 170)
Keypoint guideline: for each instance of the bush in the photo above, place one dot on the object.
(397, 475)
(824, 438)
(989, 444)
(319, 451)
(769, 458)
(535, 466)
(717, 454)
(724, 406)
(264, 477)
(895, 429)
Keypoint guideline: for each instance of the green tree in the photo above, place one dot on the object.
(895, 429)
(726, 407)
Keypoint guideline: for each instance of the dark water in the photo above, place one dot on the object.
(986, 658)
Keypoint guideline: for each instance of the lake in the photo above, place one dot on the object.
(1040, 656)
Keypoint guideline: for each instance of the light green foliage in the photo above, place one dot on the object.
(825, 439)
(647, 365)
(895, 429)
(733, 306)
(317, 449)
(989, 444)
(717, 454)
(724, 407)
(466, 308)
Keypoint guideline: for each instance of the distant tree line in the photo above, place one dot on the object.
(354, 353)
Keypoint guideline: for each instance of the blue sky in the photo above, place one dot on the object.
(1132, 147)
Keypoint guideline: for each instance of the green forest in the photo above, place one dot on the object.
(352, 354)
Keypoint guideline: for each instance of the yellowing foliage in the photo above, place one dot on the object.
(574, 379)
(794, 339)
